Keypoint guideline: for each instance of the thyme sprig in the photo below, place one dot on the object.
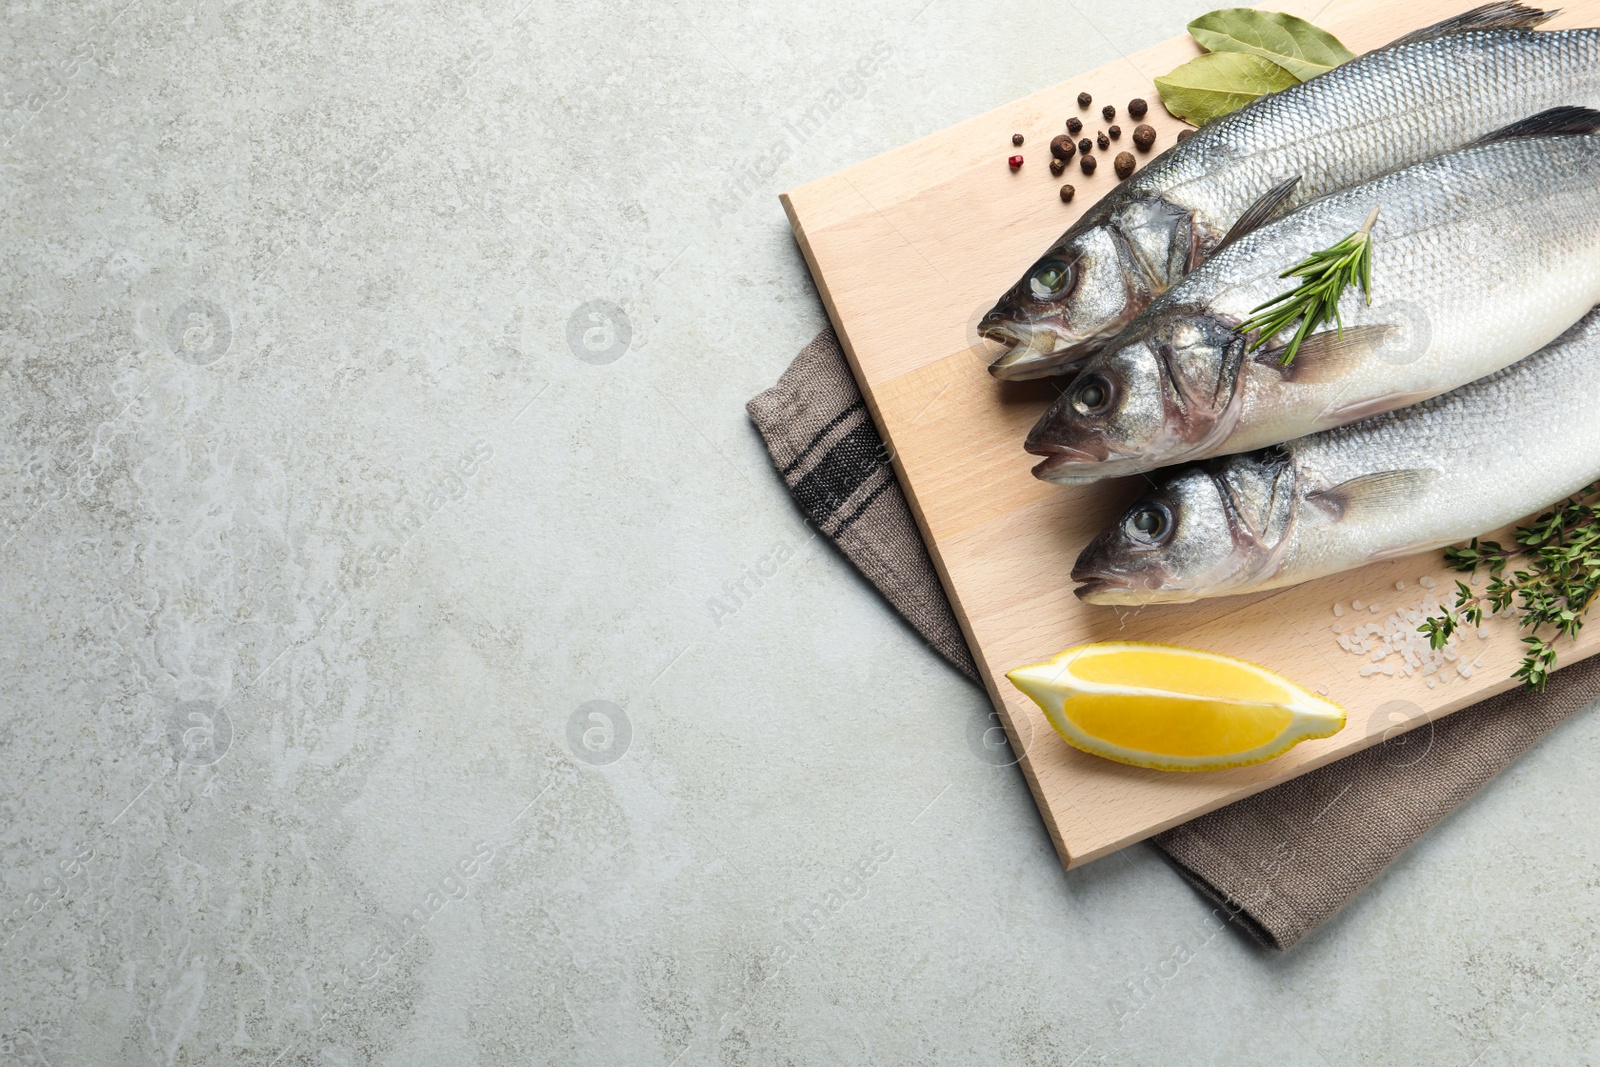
(1324, 276)
(1560, 571)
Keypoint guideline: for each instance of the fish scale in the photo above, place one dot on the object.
(1409, 102)
(1377, 113)
(1493, 451)
(1479, 257)
(1491, 277)
(1472, 460)
(1501, 448)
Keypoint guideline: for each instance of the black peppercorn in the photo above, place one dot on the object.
(1057, 166)
(1074, 125)
(1084, 99)
(1086, 146)
(1137, 107)
(1102, 140)
(1184, 135)
(1109, 112)
(1016, 138)
(1062, 147)
(1124, 164)
(1066, 194)
(1087, 163)
(1144, 135)
(1113, 132)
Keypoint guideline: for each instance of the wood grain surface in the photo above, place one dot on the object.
(908, 249)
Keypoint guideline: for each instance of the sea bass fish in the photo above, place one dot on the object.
(1479, 257)
(1407, 481)
(1428, 92)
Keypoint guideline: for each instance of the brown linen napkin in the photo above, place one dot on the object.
(1280, 863)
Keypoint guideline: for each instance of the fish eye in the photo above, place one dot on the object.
(1091, 394)
(1149, 522)
(1052, 279)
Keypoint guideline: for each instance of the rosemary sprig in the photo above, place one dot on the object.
(1561, 555)
(1324, 276)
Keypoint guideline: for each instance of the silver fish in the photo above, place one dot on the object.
(1429, 92)
(1406, 481)
(1479, 257)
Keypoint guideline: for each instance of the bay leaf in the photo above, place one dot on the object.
(1292, 43)
(1213, 84)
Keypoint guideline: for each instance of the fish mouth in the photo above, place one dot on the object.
(1108, 588)
(1031, 352)
(1063, 464)
(1109, 591)
(1022, 364)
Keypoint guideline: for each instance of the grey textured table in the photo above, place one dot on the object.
(410, 658)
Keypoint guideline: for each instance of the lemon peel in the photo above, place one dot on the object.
(1171, 708)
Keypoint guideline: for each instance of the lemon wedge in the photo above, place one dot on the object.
(1173, 709)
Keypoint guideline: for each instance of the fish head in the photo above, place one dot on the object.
(1086, 288)
(1163, 393)
(1202, 530)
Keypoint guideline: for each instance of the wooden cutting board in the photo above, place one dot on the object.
(908, 249)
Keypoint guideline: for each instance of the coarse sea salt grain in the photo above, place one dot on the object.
(1338, 610)
(1426, 582)
(1399, 585)
(1356, 604)
(1393, 646)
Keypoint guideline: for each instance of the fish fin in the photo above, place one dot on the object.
(1364, 409)
(1383, 555)
(1373, 494)
(1505, 15)
(1554, 122)
(1259, 213)
(1325, 356)
(1228, 373)
(1196, 254)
